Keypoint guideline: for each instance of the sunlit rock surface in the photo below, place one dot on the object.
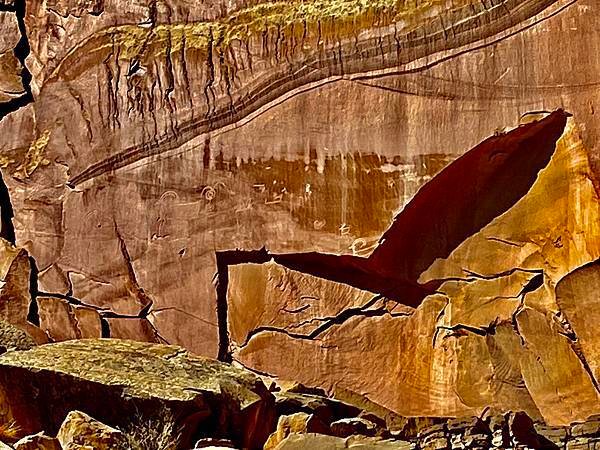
(494, 336)
(115, 380)
(140, 140)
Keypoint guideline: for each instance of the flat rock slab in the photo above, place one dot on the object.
(115, 380)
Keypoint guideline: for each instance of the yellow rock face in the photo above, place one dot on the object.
(496, 335)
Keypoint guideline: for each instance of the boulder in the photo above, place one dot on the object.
(38, 441)
(326, 409)
(323, 442)
(13, 338)
(118, 381)
(80, 429)
(353, 425)
(295, 423)
(210, 443)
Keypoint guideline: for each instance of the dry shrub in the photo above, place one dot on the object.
(158, 432)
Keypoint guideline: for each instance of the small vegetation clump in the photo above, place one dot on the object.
(10, 431)
(158, 432)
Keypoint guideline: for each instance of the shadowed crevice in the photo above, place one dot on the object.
(7, 229)
(33, 315)
(105, 328)
(21, 52)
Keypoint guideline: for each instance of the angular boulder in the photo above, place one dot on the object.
(295, 423)
(38, 441)
(81, 429)
(118, 381)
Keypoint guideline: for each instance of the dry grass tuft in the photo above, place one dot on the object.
(10, 431)
(158, 432)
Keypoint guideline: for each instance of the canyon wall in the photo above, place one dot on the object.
(150, 150)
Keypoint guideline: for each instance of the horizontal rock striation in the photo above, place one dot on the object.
(263, 54)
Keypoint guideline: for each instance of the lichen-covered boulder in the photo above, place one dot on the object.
(117, 381)
(13, 338)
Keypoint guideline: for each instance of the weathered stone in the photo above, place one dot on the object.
(295, 423)
(522, 430)
(62, 320)
(13, 338)
(476, 325)
(326, 409)
(434, 442)
(583, 444)
(164, 133)
(133, 379)
(210, 443)
(10, 31)
(590, 427)
(11, 85)
(318, 441)
(81, 429)
(555, 435)
(353, 425)
(38, 442)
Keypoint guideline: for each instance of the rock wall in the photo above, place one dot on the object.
(143, 144)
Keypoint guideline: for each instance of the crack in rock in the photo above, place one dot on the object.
(21, 51)
(329, 322)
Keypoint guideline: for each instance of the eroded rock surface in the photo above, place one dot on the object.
(493, 336)
(41, 386)
(273, 180)
(164, 136)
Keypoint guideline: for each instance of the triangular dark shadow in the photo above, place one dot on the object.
(462, 199)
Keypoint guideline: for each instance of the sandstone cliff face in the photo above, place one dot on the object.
(164, 136)
(496, 334)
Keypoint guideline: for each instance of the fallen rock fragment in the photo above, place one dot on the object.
(80, 429)
(326, 409)
(38, 441)
(13, 338)
(353, 425)
(207, 398)
(295, 423)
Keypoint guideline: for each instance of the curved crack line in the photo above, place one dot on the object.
(532, 285)
(225, 121)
